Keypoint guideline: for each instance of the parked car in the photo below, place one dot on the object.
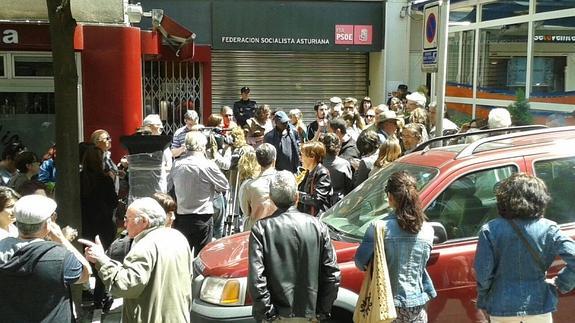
(456, 186)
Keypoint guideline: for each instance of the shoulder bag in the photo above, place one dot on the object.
(375, 302)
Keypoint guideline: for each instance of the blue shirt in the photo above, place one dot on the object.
(509, 281)
(406, 255)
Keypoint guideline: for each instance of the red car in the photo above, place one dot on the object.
(456, 186)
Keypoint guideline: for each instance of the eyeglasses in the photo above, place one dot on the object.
(370, 116)
(106, 139)
(229, 115)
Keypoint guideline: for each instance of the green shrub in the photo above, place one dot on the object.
(519, 110)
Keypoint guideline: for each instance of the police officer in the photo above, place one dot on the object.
(244, 108)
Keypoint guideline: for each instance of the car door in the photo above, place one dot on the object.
(462, 203)
(558, 173)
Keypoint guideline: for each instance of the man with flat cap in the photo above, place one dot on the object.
(36, 274)
(244, 108)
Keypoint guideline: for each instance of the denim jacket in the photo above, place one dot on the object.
(406, 254)
(509, 281)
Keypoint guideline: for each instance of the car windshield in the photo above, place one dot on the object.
(351, 216)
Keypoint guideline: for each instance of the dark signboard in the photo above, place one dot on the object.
(297, 25)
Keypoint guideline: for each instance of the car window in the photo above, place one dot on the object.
(559, 176)
(352, 215)
(468, 202)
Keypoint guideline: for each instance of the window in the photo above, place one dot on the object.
(33, 66)
(502, 60)
(559, 176)
(469, 202)
(551, 5)
(504, 9)
(368, 202)
(460, 58)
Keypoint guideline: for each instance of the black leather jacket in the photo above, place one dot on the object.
(315, 191)
(293, 269)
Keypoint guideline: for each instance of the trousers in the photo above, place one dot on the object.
(197, 228)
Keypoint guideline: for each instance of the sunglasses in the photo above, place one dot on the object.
(106, 139)
(370, 116)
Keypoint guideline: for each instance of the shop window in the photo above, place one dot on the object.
(462, 15)
(460, 59)
(33, 66)
(553, 71)
(504, 9)
(552, 5)
(502, 61)
(26, 103)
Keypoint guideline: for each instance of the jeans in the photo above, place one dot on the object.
(219, 215)
(197, 228)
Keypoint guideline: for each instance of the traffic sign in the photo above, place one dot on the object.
(430, 32)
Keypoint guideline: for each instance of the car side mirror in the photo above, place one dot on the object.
(439, 233)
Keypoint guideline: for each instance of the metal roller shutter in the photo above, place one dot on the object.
(288, 80)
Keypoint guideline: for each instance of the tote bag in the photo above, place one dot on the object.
(375, 302)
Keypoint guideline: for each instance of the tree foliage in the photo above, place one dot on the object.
(520, 110)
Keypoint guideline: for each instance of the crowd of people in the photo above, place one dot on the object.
(264, 165)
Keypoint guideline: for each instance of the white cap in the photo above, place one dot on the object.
(418, 98)
(335, 100)
(152, 119)
(34, 209)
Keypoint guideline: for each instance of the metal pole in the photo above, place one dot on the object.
(441, 75)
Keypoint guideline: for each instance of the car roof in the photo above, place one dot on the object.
(556, 141)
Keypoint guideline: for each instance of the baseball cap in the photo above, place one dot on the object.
(245, 89)
(417, 97)
(281, 117)
(34, 209)
(152, 119)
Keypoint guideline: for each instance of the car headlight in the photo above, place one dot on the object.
(224, 291)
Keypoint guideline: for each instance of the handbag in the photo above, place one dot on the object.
(375, 302)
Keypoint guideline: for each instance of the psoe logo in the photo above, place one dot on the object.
(353, 34)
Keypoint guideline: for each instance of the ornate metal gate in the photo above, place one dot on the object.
(170, 88)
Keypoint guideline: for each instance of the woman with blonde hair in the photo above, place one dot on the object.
(295, 116)
(389, 151)
(102, 139)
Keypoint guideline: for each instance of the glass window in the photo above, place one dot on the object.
(460, 59)
(550, 5)
(468, 202)
(504, 9)
(352, 215)
(462, 15)
(559, 175)
(33, 66)
(502, 61)
(26, 103)
(553, 70)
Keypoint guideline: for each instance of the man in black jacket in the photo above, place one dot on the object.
(293, 271)
(284, 137)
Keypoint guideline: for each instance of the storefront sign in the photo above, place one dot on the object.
(9, 36)
(24, 37)
(297, 26)
(555, 38)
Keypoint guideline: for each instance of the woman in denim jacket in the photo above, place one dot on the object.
(408, 241)
(511, 285)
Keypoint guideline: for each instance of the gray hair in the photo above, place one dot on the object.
(266, 154)
(499, 118)
(25, 229)
(283, 189)
(196, 141)
(150, 209)
(192, 115)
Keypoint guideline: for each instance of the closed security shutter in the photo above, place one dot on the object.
(288, 80)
